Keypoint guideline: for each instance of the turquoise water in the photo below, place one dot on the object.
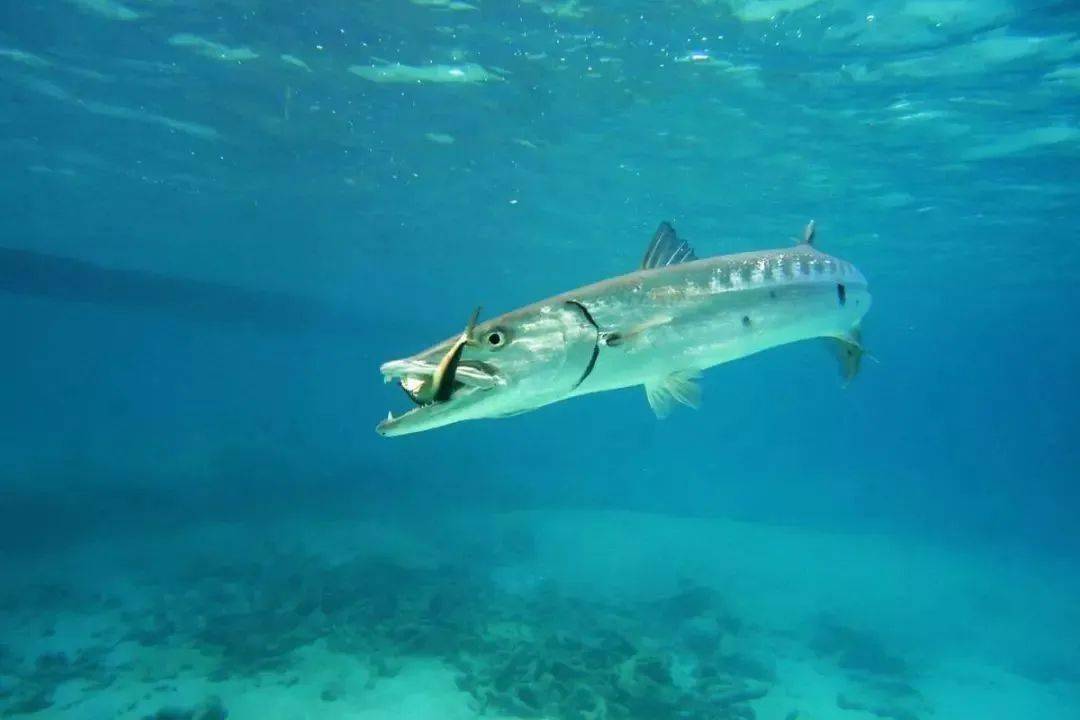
(220, 218)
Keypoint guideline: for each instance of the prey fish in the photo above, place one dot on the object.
(440, 385)
(657, 327)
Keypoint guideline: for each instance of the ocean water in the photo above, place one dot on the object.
(220, 218)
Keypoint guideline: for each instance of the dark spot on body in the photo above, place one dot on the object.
(772, 294)
(746, 321)
(841, 294)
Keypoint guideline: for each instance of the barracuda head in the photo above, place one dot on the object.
(512, 364)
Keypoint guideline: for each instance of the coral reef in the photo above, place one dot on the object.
(520, 647)
(212, 709)
(855, 650)
(526, 652)
(877, 678)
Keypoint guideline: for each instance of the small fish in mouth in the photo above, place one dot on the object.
(441, 384)
(437, 388)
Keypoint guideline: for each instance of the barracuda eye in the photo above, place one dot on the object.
(496, 338)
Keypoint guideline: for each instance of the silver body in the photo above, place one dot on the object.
(643, 328)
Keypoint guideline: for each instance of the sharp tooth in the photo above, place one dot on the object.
(389, 416)
(387, 378)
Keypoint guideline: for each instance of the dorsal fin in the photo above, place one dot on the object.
(666, 249)
(809, 232)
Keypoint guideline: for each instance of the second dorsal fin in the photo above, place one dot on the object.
(666, 249)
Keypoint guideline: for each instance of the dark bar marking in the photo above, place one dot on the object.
(596, 344)
(584, 311)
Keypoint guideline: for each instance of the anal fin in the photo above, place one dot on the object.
(678, 387)
(849, 353)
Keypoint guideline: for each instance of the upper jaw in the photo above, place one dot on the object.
(471, 373)
(470, 378)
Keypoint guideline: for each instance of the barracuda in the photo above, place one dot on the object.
(658, 327)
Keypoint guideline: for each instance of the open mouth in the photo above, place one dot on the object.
(415, 378)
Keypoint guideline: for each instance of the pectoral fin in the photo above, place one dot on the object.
(616, 338)
(678, 387)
